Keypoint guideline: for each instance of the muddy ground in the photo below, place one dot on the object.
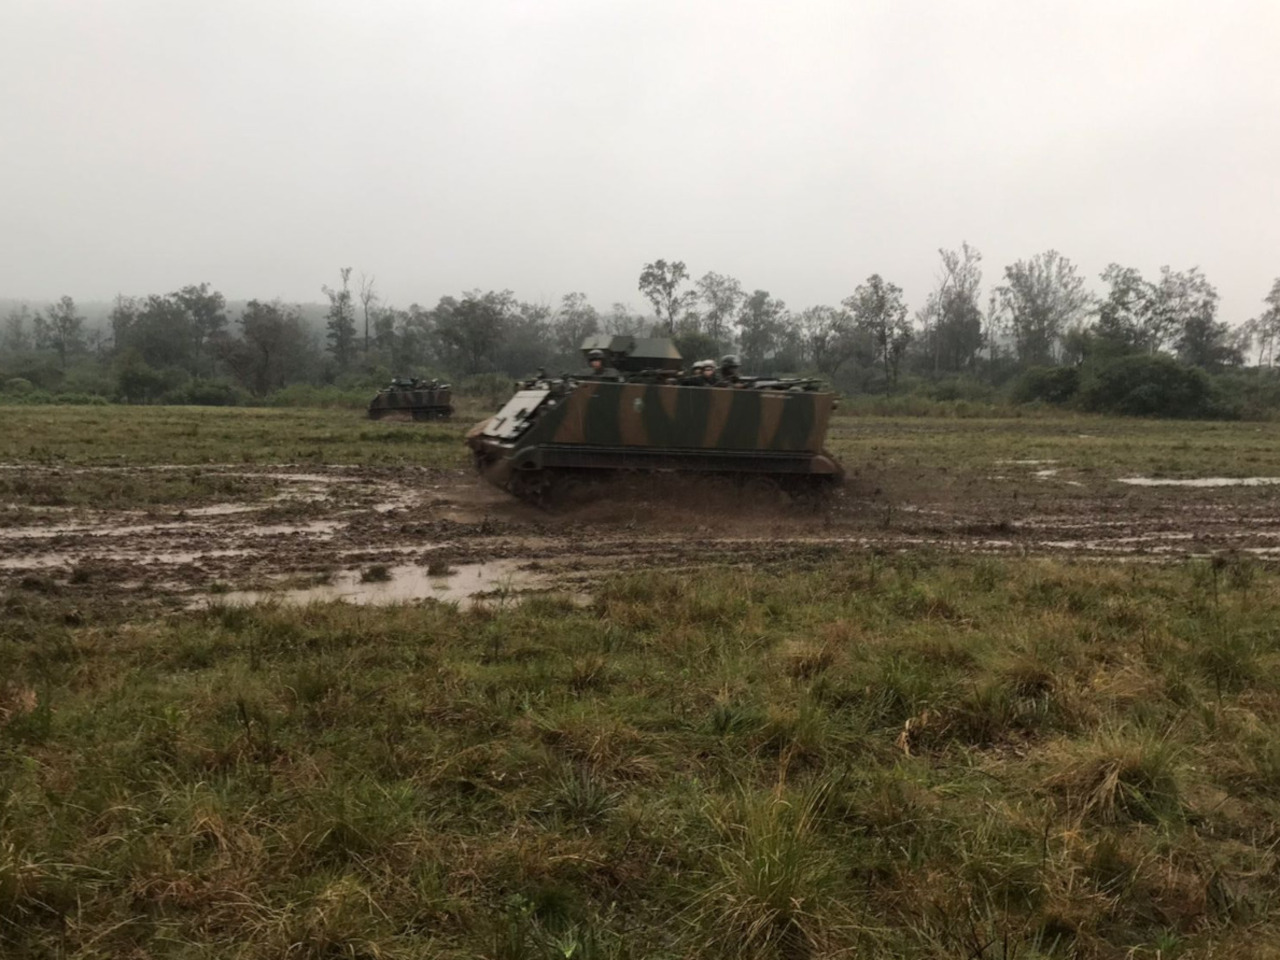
(381, 534)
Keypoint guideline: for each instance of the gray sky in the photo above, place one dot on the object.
(556, 145)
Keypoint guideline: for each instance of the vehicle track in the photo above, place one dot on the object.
(316, 522)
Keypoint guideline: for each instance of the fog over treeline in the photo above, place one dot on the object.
(980, 326)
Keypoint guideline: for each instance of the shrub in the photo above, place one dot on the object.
(81, 399)
(18, 386)
(1047, 385)
(138, 382)
(305, 395)
(493, 388)
(206, 393)
(960, 388)
(1150, 386)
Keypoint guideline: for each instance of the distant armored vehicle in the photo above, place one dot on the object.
(412, 399)
(637, 411)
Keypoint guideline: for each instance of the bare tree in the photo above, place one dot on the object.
(368, 297)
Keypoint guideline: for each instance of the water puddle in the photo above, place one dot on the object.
(220, 510)
(496, 581)
(1200, 482)
(323, 528)
(173, 558)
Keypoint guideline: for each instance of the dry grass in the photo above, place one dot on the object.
(934, 758)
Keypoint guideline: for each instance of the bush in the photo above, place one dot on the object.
(1255, 393)
(493, 388)
(80, 399)
(305, 395)
(18, 386)
(88, 378)
(137, 382)
(1151, 386)
(206, 393)
(41, 373)
(960, 388)
(1047, 385)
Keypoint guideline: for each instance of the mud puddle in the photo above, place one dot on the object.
(494, 581)
(1200, 482)
(121, 531)
(404, 518)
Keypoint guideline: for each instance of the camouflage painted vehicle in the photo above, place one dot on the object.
(412, 399)
(641, 414)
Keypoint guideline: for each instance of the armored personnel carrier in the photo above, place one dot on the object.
(638, 412)
(412, 399)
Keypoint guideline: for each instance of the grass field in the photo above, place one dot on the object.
(192, 435)
(819, 753)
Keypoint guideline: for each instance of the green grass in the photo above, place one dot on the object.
(138, 436)
(897, 756)
(1085, 447)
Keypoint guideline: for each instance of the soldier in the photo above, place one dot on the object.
(708, 373)
(698, 375)
(729, 367)
(596, 360)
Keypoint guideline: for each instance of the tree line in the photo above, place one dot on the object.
(192, 346)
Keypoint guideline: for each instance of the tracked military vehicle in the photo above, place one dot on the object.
(412, 399)
(638, 412)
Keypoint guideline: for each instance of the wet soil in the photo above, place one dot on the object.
(404, 533)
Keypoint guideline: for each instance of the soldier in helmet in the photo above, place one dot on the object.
(599, 364)
(698, 376)
(729, 367)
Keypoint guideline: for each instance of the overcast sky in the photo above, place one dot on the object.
(548, 146)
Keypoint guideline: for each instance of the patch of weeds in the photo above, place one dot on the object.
(35, 583)
(906, 687)
(801, 732)
(349, 822)
(26, 715)
(340, 920)
(987, 575)
(729, 718)
(581, 798)
(1122, 776)
(590, 672)
(774, 889)
(806, 659)
(1227, 658)
(439, 568)
(376, 573)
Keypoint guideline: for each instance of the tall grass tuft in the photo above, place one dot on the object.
(1122, 775)
(774, 890)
